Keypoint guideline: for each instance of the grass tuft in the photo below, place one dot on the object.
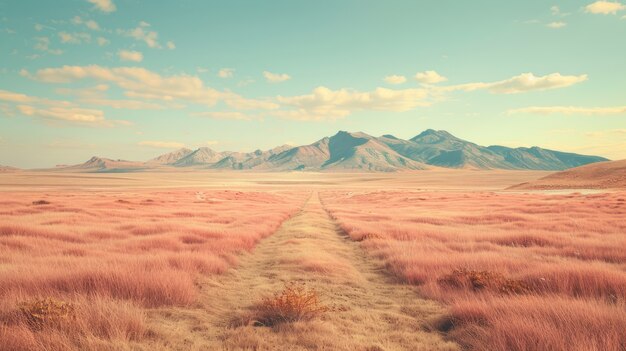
(296, 302)
(41, 312)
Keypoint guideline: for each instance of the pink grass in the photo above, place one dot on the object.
(569, 250)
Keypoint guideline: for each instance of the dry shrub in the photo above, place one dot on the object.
(483, 280)
(296, 302)
(41, 202)
(46, 311)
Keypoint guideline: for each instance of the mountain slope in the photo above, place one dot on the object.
(601, 175)
(358, 151)
(171, 157)
(102, 165)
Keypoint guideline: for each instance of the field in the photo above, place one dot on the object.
(437, 260)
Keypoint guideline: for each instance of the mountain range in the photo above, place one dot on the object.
(358, 151)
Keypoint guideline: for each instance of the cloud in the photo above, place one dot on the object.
(604, 7)
(570, 110)
(74, 38)
(43, 44)
(224, 115)
(162, 144)
(56, 110)
(144, 84)
(106, 6)
(127, 55)
(555, 10)
(91, 24)
(225, 73)
(326, 104)
(38, 27)
(605, 133)
(140, 33)
(96, 96)
(170, 45)
(103, 41)
(556, 25)
(276, 77)
(395, 79)
(525, 82)
(430, 77)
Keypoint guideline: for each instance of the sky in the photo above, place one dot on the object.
(133, 79)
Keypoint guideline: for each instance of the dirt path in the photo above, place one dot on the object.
(377, 313)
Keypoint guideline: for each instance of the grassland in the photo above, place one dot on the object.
(412, 261)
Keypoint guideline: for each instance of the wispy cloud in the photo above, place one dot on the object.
(74, 38)
(326, 104)
(524, 82)
(43, 44)
(161, 144)
(225, 73)
(276, 77)
(570, 110)
(127, 55)
(56, 110)
(556, 25)
(395, 79)
(106, 6)
(224, 115)
(137, 82)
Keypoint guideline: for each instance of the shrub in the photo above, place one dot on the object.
(294, 303)
(46, 311)
(480, 280)
(41, 202)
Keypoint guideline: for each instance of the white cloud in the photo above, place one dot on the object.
(395, 79)
(276, 77)
(144, 84)
(38, 27)
(523, 83)
(140, 33)
(556, 25)
(161, 144)
(430, 77)
(570, 110)
(43, 44)
(555, 10)
(127, 55)
(103, 5)
(170, 45)
(103, 41)
(225, 73)
(327, 104)
(605, 7)
(58, 110)
(74, 38)
(224, 115)
(91, 24)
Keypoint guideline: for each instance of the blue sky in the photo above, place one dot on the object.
(133, 79)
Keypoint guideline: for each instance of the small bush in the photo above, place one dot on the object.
(41, 202)
(47, 311)
(480, 280)
(294, 303)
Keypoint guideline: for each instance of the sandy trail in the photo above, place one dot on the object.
(376, 312)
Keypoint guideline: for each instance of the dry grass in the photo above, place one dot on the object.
(295, 303)
(521, 271)
(101, 251)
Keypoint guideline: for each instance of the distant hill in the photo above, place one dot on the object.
(602, 175)
(100, 164)
(7, 169)
(346, 151)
